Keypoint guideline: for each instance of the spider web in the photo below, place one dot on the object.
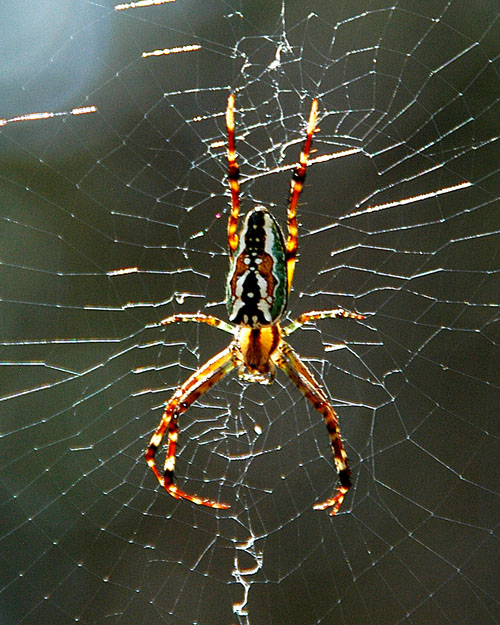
(115, 220)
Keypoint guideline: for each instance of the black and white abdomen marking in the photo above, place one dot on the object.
(257, 287)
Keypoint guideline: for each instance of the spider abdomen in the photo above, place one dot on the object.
(257, 286)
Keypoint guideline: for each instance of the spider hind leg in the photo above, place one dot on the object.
(197, 384)
(304, 380)
(336, 501)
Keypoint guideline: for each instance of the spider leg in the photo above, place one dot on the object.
(295, 188)
(199, 318)
(197, 384)
(319, 314)
(304, 380)
(233, 175)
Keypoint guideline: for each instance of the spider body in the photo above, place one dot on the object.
(261, 268)
(257, 285)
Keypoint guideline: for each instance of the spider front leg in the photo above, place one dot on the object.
(304, 380)
(233, 176)
(197, 384)
(299, 175)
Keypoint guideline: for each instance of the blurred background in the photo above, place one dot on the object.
(114, 220)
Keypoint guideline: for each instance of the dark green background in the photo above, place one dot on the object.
(86, 535)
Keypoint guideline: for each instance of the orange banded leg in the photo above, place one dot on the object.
(233, 176)
(297, 183)
(197, 384)
(304, 380)
(312, 315)
(199, 318)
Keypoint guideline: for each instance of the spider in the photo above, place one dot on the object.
(261, 267)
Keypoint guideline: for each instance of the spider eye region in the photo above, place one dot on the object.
(257, 286)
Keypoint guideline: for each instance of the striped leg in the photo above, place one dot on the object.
(199, 318)
(197, 384)
(300, 375)
(312, 315)
(297, 183)
(233, 175)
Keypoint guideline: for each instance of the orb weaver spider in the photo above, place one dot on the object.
(261, 267)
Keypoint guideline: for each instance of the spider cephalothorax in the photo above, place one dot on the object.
(261, 267)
